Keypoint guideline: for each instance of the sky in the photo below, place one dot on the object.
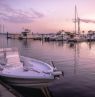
(45, 16)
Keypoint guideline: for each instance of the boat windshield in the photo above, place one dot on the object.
(9, 57)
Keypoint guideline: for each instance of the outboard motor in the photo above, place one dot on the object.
(57, 73)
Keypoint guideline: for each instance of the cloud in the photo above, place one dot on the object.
(37, 13)
(9, 14)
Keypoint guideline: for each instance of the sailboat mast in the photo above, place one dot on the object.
(75, 18)
(0, 28)
(3, 37)
(3, 28)
(79, 26)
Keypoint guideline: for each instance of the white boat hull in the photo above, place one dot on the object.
(16, 75)
(23, 82)
(26, 72)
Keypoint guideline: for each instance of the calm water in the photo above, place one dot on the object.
(76, 60)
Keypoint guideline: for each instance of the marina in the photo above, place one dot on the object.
(59, 36)
(72, 58)
(67, 36)
(47, 48)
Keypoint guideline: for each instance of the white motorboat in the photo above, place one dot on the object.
(23, 71)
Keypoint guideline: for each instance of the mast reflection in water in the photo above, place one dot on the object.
(77, 60)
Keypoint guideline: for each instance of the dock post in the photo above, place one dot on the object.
(7, 35)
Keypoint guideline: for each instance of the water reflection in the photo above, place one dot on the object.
(91, 44)
(77, 60)
(71, 45)
(29, 92)
(61, 43)
(25, 43)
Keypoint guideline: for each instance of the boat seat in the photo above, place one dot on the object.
(27, 65)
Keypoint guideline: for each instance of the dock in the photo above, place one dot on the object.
(66, 36)
(7, 91)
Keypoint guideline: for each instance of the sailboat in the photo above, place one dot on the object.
(23, 71)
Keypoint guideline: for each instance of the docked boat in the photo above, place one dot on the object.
(23, 71)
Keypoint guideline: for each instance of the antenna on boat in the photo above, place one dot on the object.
(52, 62)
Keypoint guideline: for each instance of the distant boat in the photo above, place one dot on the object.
(24, 71)
(91, 36)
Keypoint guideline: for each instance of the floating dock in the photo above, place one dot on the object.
(7, 91)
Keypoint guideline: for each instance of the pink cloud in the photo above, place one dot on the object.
(7, 13)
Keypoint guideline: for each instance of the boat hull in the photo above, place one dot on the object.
(27, 72)
(26, 82)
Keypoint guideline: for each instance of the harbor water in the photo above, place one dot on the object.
(77, 60)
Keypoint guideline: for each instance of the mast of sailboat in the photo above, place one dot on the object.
(77, 22)
(0, 28)
(75, 18)
(3, 35)
(3, 28)
(4, 51)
